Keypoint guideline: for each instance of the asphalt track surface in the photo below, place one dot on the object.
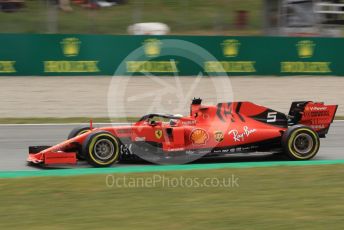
(15, 139)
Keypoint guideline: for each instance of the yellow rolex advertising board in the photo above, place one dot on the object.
(229, 63)
(88, 55)
(152, 49)
(305, 50)
(70, 47)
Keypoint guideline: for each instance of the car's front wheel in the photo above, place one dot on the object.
(77, 132)
(300, 142)
(101, 149)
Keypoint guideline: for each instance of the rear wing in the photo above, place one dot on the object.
(316, 115)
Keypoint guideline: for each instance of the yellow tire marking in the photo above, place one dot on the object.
(82, 132)
(90, 148)
(292, 138)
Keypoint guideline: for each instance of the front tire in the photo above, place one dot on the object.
(77, 132)
(300, 142)
(101, 149)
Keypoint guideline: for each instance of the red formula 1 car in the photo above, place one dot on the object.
(209, 130)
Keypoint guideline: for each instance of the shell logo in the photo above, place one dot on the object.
(199, 137)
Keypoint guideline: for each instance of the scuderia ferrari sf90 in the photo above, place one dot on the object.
(225, 128)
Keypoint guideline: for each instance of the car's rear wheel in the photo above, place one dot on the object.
(300, 142)
(101, 149)
(77, 132)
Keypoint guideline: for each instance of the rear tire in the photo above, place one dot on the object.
(76, 132)
(300, 142)
(101, 149)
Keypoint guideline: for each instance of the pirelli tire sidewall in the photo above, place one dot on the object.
(89, 149)
(289, 138)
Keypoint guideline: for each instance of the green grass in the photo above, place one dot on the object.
(309, 197)
(339, 118)
(183, 17)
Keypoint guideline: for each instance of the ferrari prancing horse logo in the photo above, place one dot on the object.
(158, 133)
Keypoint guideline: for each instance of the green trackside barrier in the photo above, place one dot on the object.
(88, 55)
